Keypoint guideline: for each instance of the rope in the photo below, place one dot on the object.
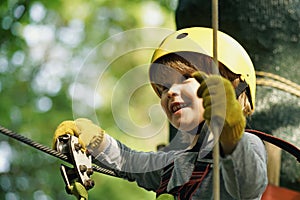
(277, 82)
(216, 130)
(278, 85)
(278, 78)
(48, 150)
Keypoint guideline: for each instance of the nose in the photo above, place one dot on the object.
(174, 91)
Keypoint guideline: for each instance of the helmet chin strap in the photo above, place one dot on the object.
(240, 88)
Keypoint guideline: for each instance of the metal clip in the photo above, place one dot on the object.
(81, 160)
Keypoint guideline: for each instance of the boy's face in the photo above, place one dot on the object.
(180, 102)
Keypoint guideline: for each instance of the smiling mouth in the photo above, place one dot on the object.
(177, 106)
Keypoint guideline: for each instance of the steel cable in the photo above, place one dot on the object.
(48, 150)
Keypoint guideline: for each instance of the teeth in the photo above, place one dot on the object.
(178, 106)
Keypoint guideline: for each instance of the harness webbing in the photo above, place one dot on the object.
(186, 191)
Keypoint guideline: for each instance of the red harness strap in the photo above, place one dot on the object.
(167, 172)
(290, 148)
(186, 191)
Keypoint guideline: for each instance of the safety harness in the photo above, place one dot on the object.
(201, 169)
(186, 191)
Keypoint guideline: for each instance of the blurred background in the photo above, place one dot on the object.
(66, 59)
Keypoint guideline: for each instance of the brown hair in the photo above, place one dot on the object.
(235, 80)
(188, 62)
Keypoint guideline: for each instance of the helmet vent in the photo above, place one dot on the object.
(181, 35)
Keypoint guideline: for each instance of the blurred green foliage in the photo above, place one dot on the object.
(44, 49)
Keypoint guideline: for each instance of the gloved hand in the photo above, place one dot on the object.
(220, 104)
(78, 190)
(87, 132)
(165, 197)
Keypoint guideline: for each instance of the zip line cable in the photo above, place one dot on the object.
(48, 150)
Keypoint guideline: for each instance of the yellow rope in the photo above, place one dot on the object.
(215, 130)
(278, 83)
(278, 78)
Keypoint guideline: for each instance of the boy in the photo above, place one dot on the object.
(195, 100)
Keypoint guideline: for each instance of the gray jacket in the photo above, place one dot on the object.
(243, 174)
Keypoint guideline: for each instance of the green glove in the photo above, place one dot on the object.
(86, 131)
(165, 197)
(220, 104)
(66, 127)
(78, 190)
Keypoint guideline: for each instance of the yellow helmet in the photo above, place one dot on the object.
(200, 40)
